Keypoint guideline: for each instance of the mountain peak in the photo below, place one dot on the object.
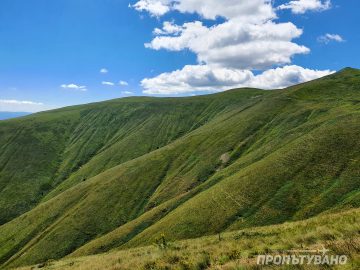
(349, 70)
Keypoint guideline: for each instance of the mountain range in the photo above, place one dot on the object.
(89, 179)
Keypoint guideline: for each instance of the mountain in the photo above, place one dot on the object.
(87, 179)
(9, 115)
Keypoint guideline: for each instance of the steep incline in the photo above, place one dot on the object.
(46, 153)
(135, 168)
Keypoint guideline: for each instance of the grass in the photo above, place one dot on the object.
(44, 154)
(87, 179)
(236, 250)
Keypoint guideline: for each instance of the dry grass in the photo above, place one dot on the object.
(236, 250)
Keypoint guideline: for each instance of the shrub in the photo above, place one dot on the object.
(204, 262)
(161, 242)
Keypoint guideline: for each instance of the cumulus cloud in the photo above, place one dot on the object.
(104, 71)
(283, 77)
(12, 105)
(248, 11)
(247, 38)
(168, 28)
(73, 86)
(254, 10)
(123, 83)
(197, 78)
(327, 38)
(107, 83)
(302, 6)
(234, 44)
(154, 7)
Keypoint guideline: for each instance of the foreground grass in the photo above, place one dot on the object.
(340, 233)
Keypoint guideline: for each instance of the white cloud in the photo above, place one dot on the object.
(168, 28)
(253, 10)
(154, 7)
(247, 11)
(247, 38)
(12, 105)
(123, 83)
(127, 93)
(107, 83)
(19, 102)
(104, 71)
(302, 6)
(330, 37)
(74, 87)
(195, 78)
(235, 44)
(286, 76)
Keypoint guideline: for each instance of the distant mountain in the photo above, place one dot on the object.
(119, 174)
(9, 115)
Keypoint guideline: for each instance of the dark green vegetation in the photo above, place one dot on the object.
(118, 174)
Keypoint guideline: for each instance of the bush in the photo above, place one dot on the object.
(204, 262)
(161, 242)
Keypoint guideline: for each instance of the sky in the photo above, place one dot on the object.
(65, 52)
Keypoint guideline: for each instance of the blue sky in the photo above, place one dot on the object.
(52, 52)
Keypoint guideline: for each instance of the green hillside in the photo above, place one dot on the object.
(117, 174)
(338, 233)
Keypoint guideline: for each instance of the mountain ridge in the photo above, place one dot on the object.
(127, 170)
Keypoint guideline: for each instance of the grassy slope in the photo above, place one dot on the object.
(58, 149)
(292, 154)
(119, 188)
(236, 250)
(308, 172)
(30, 152)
